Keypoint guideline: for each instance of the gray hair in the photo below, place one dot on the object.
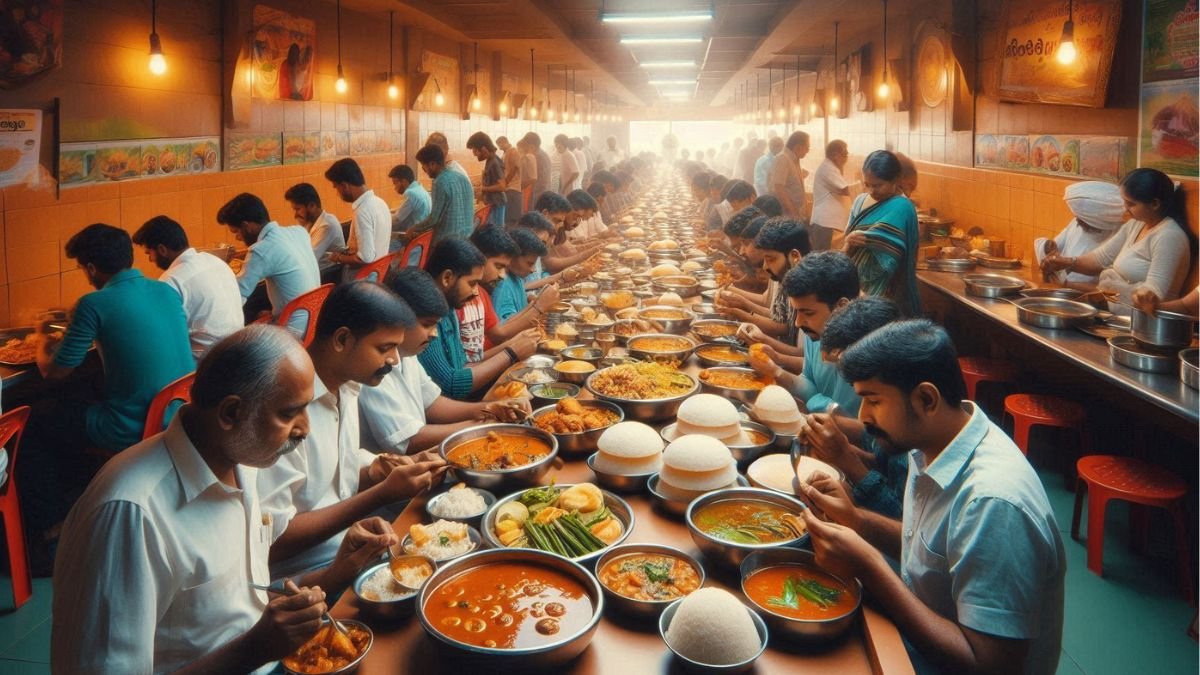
(245, 364)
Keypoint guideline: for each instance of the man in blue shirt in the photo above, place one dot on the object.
(452, 213)
(509, 297)
(457, 267)
(980, 588)
(417, 203)
(140, 329)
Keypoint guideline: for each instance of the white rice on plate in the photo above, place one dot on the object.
(382, 587)
(459, 502)
(440, 540)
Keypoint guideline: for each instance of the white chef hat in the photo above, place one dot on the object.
(1096, 203)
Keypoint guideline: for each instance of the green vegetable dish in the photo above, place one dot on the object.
(744, 521)
(572, 521)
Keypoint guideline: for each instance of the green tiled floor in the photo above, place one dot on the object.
(1132, 621)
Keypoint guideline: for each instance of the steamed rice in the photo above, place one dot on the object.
(440, 540)
(382, 587)
(459, 502)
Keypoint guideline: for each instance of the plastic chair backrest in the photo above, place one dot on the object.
(157, 417)
(12, 425)
(417, 251)
(377, 270)
(526, 196)
(482, 214)
(309, 303)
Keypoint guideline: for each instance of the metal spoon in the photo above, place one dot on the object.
(290, 589)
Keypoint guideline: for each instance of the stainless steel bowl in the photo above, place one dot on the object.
(1189, 367)
(1163, 329)
(618, 482)
(992, 285)
(642, 608)
(540, 361)
(1053, 313)
(582, 353)
(690, 666)
(645, 410)
(746, 396)
(572, 377)
(619, 508)
(472, 534)
(998, 262)
(383, 609)
(529, 474)
(541, 392)
(676, 507)
(638, 348)
(706, 311)
(950, 264)
(728, 553)
(674, 326)
(543, 658)
(581, 441)
(1129, 352)
(1060, 293)
(684, 285)
(353, 665)
(432, 503)
(743, 453)
(806, 630)
(700, 325)
(708, 357)
(532, 376)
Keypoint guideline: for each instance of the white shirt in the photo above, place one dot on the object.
(1158, 262)
(155, 562)
(326, 234)
(979, 543)
(588, 229)
(283, 257)
(830, 208)
(582, 161)
(321, 472)
(611, 158)
(394, 411)
(1073, 241)
(454, 165)
(371, 229)
(565, 164)
(211, 300)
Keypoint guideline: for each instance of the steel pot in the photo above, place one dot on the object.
(1129, 352)
(1189, 367)
(1163, 329)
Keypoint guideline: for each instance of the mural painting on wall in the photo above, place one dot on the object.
(1170, 123)
(82, 163)
(1029, 69)
(443, 77)
(20, 143)
(1098, 157)
(30, 40)
(284, 55)
(247, 151)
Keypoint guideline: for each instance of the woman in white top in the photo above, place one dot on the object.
(1147, 259)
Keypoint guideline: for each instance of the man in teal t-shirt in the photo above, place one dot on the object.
(139, 327)
(509, 298)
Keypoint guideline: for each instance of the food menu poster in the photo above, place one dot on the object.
(1106, 158)
(1170, 121)
(83, 163)
(20, 142)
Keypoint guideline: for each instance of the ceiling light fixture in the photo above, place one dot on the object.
(340, 83)
(833, 102)
(392, 91)
(681, 82)
(532, 111)
(438, 99)
(1066, 51)
(884, 90)
(476, 102)
(158, 63)
(668, 64)
(656, 17)
(661, 40)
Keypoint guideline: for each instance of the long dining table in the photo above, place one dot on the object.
(625, 646)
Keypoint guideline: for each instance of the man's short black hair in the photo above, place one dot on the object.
(854, 321)
(364, 307)
(717, 182)
(580, 200)
(597, 190)
(795, 139)
(528, 242)
(493, 241)
(108, 248)
(769, 205)
(303, 194)
(457, 255)
(532, 139)
(244, 208)
(701, 180)
(431, 154)
(608, 178)
(755, 226)
(552, 202)
(535, 221)
(737, 223)
(783, 235)
(161, 231)
(903, 354)
(403, 172)
(737, 191)
(561, 139)
(419, 290)
(480, 139)
(829, 275)
(347, 171)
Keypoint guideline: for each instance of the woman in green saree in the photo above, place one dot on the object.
(882, 238)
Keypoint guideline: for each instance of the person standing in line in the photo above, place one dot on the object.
(831, 196)
(787, 178)
(514, 179)
(492, 186)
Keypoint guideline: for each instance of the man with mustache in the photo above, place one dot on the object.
(980, 588)
(457, 268)
(331, 481)
(157, 557)
(407, 411)
(782, 243)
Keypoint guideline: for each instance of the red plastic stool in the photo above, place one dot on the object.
(1139, 482)
(12, 425)
(1029, 410)
(976, 369)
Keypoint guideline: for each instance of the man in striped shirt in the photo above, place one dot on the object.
(453, 209)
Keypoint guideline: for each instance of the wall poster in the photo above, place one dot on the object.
(283, 51)
(1029, 70)
(1170, 122)
(20, 142)
(30, 40)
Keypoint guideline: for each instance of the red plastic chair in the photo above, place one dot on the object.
(377, 270)
(526, 198)
(977, 369)
(12, 425)
(482, 214)
(1108, 477)
(179, 390)
(417, 251)
(309, 302)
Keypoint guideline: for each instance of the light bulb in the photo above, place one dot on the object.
(833, 104)
(780, 113)
(1066, 53)
(883, 90)
(550, 113)
(340, 84)
(476, 104)
(796, 109)
(503, 107)
(393, 91)
(812, 108)
(533, 112)
(439, 100)
(158, 63)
